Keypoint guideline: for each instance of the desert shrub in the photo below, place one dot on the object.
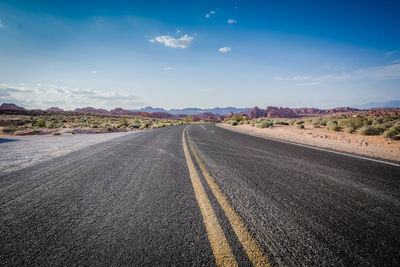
(377, 121)
(56, 133)
(241, 122)
(349, 129)
(299, 122)
(265, 124)
(279, 122)
(333, 126)
(234, 123)
(237, 118)
(316, 123)
(124, 123)
(19, 122)
(356, 123)
(300, 126)
(53, 125)
(135, 125)
(9, 129)
(369, 130)
(39, 123)
(292, 121)
(390, 133)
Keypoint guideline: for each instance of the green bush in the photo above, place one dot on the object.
(237, 118)
(300, 126)
(355, 123)
(39, 123)
(265, 124)
(9, 129)
(299, 122)
(333, 126)
(350, 129)
(390, 133)
(279, 122)
(234, 123)
(135, 125)
(369, 130)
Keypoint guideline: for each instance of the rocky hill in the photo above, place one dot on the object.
(10, 106)
(272, 112)
(312, 111)
(55, 109)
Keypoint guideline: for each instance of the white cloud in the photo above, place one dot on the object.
(94, 72)
(1, 24)
(45, 95)
(396, 60)
(208, 15)
(381, 73)
(178, 31)
(170, 41)
(224, 49)
(231, 21)
(167, 68)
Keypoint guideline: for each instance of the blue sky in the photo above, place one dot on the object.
(176, 54)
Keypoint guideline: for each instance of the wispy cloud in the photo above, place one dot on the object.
(93, 72)
(170, 41)
(396, 60)
(208, 15)
(381, 73)
(45, 95)
(1, 24)
(391, 53)
(167, 68)
(225, 49)
(231, 21)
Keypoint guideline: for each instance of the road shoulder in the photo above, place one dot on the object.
(339, 144)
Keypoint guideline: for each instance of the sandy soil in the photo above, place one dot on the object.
(17, 152)
(373, 146)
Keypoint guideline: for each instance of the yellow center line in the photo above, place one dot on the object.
(253, 250)
(222, 252)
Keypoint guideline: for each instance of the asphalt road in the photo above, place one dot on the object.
(208, 196)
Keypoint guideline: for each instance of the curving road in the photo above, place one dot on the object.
(200, 196)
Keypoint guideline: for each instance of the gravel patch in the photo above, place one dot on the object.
(17, 152)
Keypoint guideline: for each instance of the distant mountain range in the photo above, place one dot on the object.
(388, 104)
(218, 114)
(194, 111)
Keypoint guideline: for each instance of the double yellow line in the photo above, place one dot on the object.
(219, 244)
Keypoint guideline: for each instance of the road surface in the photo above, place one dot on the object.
(200, 195)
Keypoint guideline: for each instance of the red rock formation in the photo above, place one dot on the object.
(272, 112)
(275, 112)
(162, 115)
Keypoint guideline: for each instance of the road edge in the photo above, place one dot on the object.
(392, 163)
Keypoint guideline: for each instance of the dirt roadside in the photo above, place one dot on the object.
(373, 146)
